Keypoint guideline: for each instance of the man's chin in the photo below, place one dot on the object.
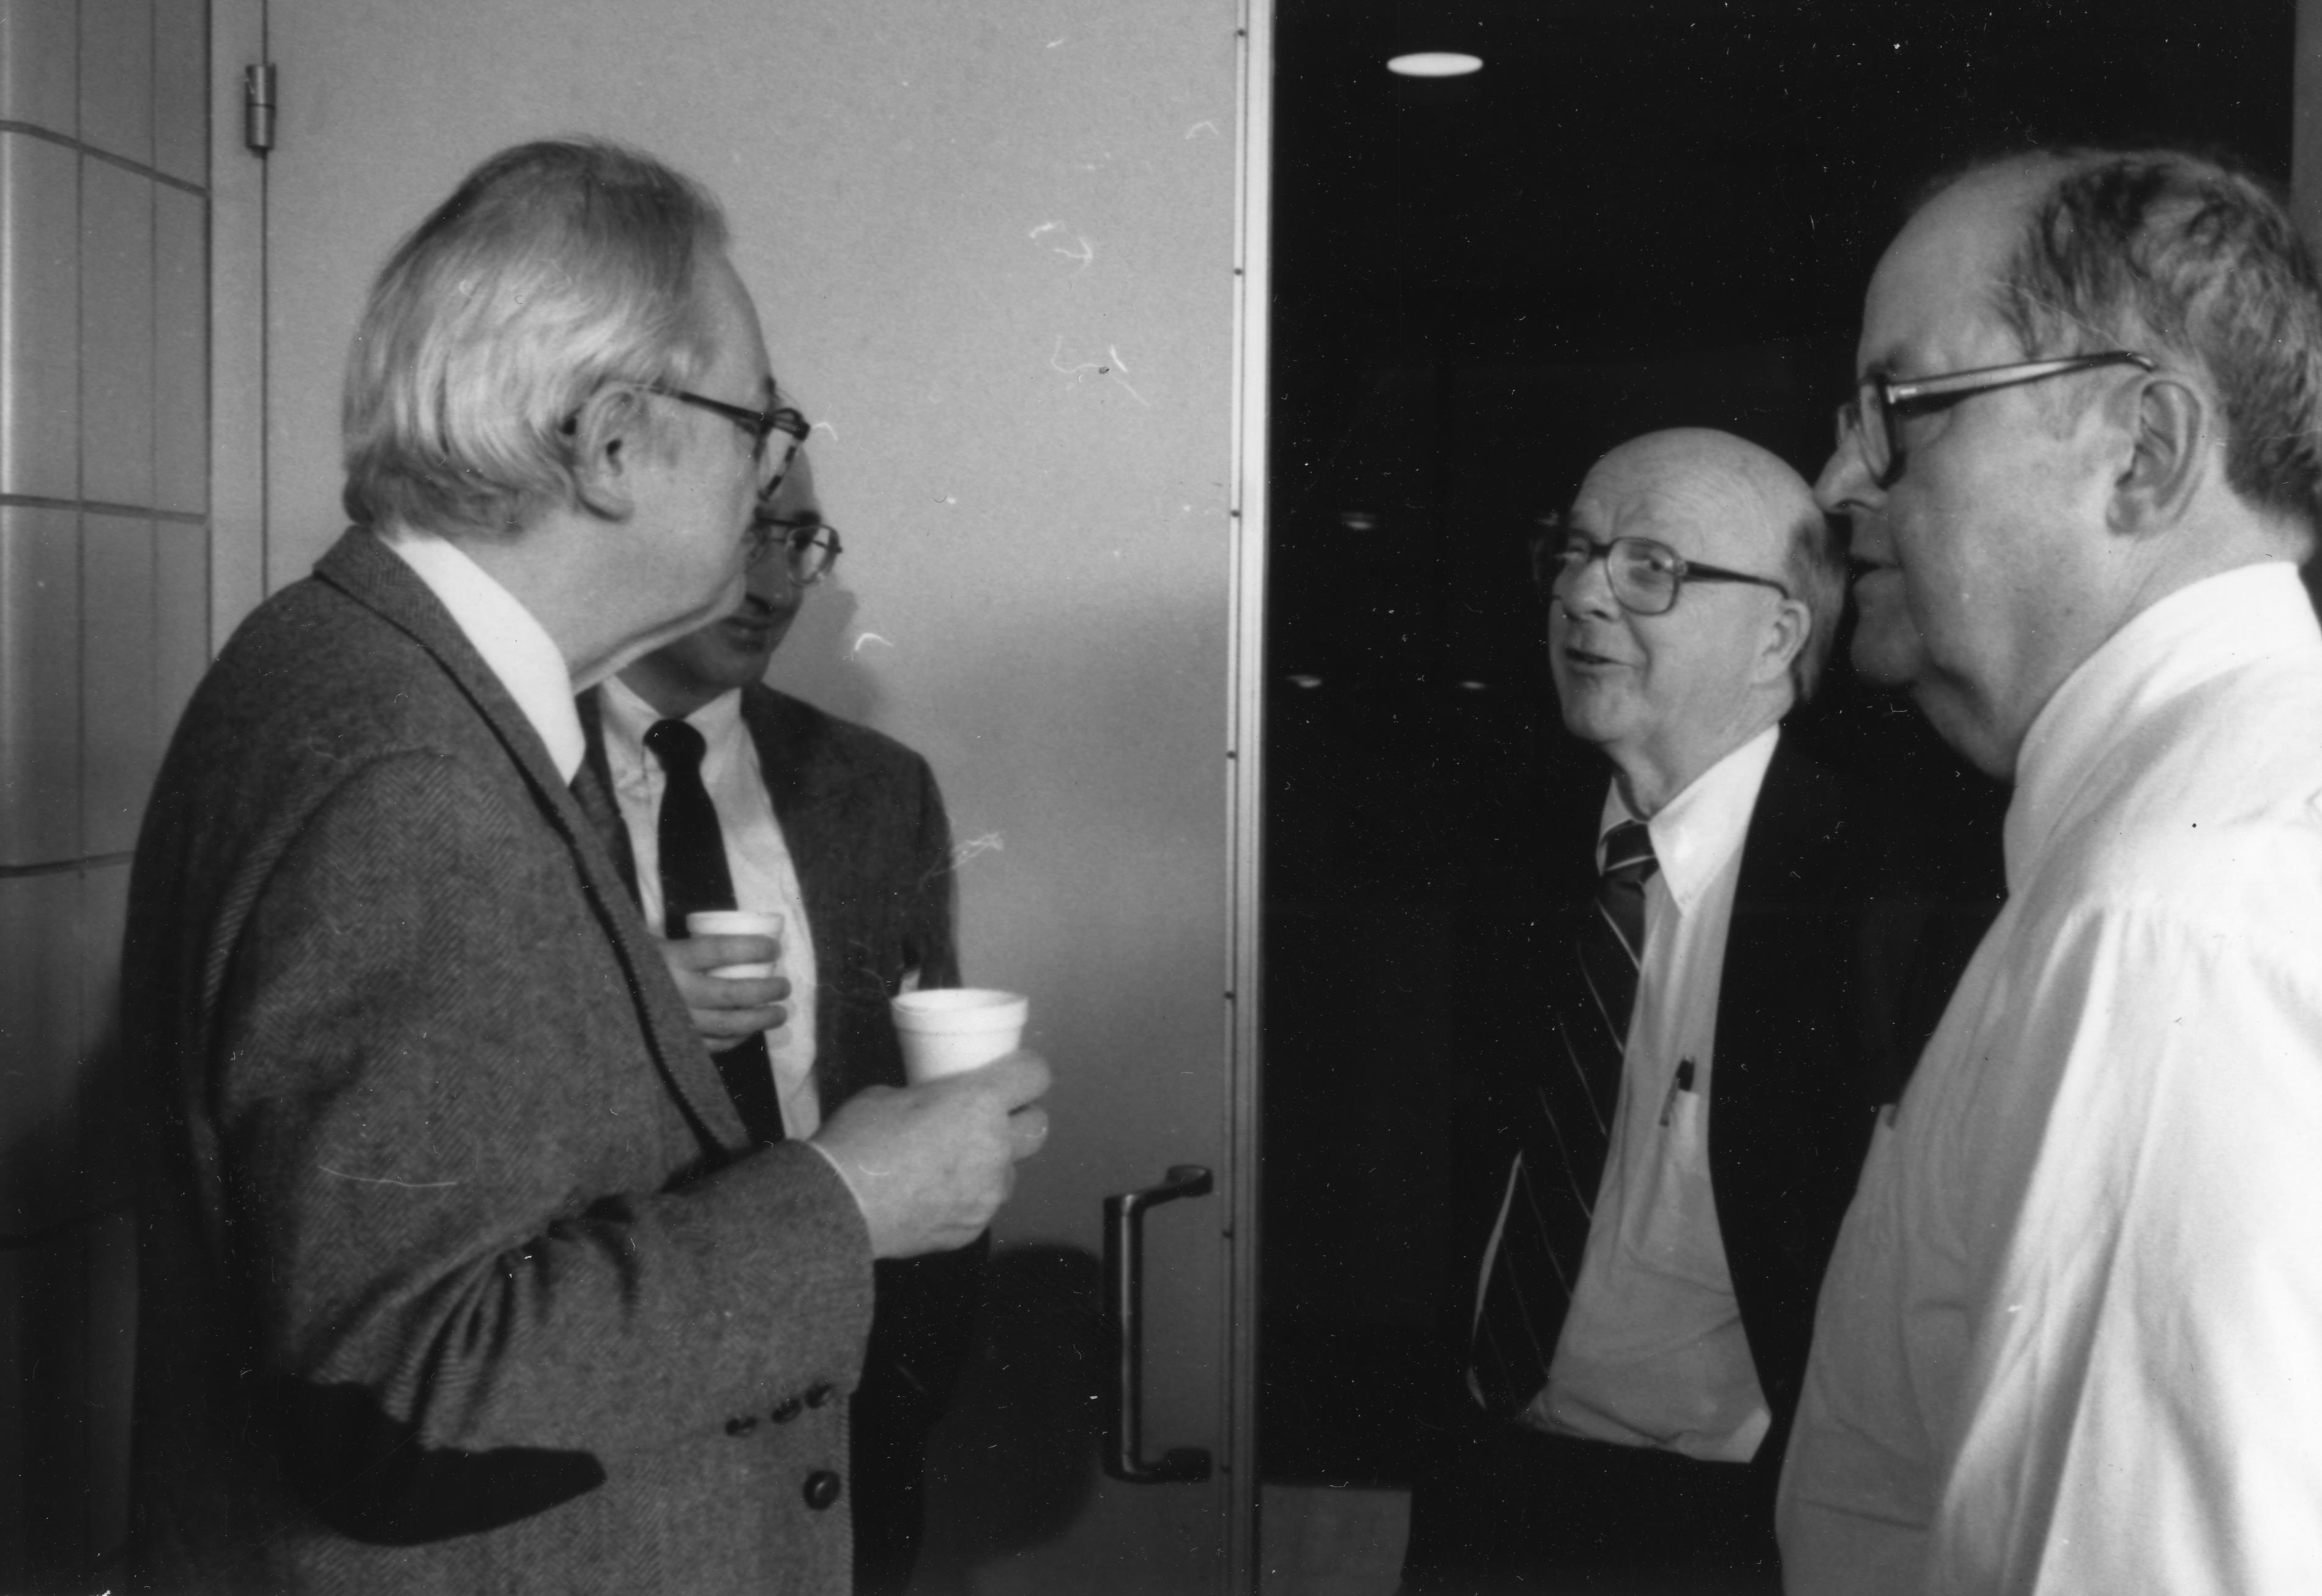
(1886, 657)
(1887, 651)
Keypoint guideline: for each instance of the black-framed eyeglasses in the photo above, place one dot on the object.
(1646, 576)
(759, 424)
(809, 547)
(1892, 399)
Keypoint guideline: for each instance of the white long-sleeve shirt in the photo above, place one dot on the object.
(2071, 1339)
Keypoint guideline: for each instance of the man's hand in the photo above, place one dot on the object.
(726, 1010)
(929, 1166)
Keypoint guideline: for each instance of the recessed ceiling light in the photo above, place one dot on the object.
(1435, 63)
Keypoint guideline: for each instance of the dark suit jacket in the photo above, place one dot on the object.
(864, 824)
(1792, 1103)
(456, 1274)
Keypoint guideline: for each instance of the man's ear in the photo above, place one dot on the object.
(604, 441)
(1785, 641)
(2171, 424)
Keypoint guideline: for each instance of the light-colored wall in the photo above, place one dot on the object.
(104, 617)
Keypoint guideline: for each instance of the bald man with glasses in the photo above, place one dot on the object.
(1674, 1113)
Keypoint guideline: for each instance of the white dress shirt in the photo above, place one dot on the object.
(1652, 1353)
(515, 647)
(756, 856)
(2072, 1337)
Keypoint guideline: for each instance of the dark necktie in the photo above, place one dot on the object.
(693, 876)
(1564, 1126)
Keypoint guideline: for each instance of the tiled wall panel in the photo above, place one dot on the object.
(116, 334)
(104, 631)
(40, 47)
(181, 621)
(39, 326)
(107, 1175)
(39, 1052)
(17, 1369)
(40, 686)
(181, 87)
(181, 391)
(116, 77)
(53, 1391)
(112, 1373)
(117, 680)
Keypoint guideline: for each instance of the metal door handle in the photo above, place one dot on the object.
(1124, 1297)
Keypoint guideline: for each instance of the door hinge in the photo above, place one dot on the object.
(257, 107)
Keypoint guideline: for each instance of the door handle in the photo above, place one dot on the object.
(1124, 1302)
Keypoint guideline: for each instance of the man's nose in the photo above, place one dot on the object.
(770, 578)
(1845, 483)
(1588, 591)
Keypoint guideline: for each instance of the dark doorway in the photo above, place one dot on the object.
(1638, 215)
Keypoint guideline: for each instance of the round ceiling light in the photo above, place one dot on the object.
(1435, 63)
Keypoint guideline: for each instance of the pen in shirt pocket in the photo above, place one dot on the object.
(1680, 1082)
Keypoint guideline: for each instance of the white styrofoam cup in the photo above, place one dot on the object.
(946, 1030)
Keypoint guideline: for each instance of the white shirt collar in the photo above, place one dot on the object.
(2194, 635)
(1698, 832)
(629, 717)
(515, 647)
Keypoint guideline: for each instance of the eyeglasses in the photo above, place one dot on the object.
(809, 547)
(760, 424)
(1890, 399)
(1646, 576)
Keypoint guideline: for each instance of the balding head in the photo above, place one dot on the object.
(1668, 694)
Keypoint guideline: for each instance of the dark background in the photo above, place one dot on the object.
(1640, 213)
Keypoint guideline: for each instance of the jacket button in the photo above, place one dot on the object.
(821, 1488)
(788, 1411)
(742, 1426)
(818, 1393)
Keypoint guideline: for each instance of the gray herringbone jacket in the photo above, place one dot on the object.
(455, 1277)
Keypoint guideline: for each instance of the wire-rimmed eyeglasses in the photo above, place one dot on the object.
(809, 545)
(1646, 576)
(1891, 399)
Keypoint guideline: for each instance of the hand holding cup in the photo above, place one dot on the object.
(724, 971)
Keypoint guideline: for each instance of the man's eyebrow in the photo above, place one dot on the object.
(773, 392)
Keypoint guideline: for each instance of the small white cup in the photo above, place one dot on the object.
(948, 1030)
(737, 922)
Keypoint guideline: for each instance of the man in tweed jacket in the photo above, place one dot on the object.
(458, 1273)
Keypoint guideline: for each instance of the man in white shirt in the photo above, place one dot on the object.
(459, 1270)
(1679, 1119)
(843, 831)
(2071, 1339)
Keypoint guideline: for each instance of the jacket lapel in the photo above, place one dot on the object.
(373, 576)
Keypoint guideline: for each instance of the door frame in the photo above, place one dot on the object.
(237, 282)
(1246, 765)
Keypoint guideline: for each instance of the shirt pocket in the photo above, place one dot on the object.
(1675, 1229)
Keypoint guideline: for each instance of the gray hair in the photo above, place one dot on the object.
(2199, 265)
(1813, 567)
(555, 268)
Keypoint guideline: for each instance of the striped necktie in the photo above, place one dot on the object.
(1564, 1126)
